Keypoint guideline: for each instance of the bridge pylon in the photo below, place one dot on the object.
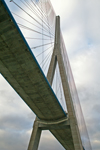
(70, 121)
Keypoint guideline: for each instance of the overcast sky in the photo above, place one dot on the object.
(80, 25)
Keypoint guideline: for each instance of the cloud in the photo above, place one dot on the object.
(13, 140)
(80, 24)
(16, 119)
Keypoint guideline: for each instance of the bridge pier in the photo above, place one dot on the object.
(70, 126)
(57, 57)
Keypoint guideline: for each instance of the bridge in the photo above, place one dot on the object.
(20, 68)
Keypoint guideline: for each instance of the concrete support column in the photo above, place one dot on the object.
(70, 107)
(35, 137)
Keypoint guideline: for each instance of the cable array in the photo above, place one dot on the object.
(36, 20)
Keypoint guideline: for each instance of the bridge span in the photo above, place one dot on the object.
(20, 68)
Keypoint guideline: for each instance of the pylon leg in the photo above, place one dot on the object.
(35, 137)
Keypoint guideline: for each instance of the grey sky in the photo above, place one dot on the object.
(80, 24)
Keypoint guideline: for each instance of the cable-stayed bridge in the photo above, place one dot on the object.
(25, 65)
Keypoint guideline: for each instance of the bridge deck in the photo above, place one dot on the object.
(20, 68)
